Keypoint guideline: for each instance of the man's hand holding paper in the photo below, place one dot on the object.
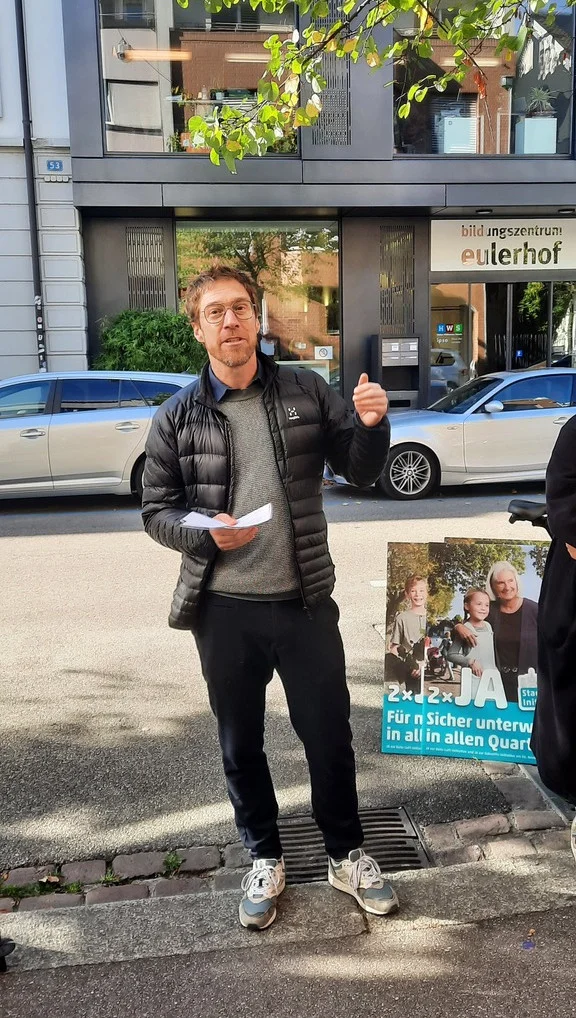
(227, 532)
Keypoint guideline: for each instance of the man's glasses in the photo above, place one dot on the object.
(214, 313)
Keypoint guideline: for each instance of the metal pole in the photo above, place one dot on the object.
(30, 187)
(550, 324)
(509, 325)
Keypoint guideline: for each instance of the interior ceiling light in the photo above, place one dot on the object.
(479, 61)
(246, 58)
(124, 51)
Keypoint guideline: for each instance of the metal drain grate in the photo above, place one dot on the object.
(390, 837)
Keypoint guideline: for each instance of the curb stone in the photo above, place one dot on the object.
(530, 828)
(139, 875)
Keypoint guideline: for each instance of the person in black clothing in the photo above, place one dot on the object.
(257, 599)
(6, 948)
(554, 732)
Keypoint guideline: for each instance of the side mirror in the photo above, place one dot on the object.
(493, 407)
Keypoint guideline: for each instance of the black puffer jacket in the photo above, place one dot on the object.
(190, 465)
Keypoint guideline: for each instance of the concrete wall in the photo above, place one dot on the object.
(62, 269)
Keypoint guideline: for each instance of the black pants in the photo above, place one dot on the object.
(240, 644)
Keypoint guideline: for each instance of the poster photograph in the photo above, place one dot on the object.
(460, 667)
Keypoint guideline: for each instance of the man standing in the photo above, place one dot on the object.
(258, 598)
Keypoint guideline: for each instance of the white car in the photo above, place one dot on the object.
(499, 427)
(78, 432)
(448, 366)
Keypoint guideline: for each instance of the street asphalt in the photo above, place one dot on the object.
(107, 742)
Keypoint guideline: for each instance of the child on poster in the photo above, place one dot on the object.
(481, 657)
(407, 641)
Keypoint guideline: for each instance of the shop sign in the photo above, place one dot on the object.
(443, 697)
(443, 330)
(503, 245)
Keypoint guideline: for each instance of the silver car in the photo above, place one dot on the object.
(499, 427)
(78, 433)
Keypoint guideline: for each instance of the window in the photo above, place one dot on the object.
(164, 62)
(521, 105)
(545, 392)
(24, 399)
(129, 395)
(503, 326)
(127, 13)
(155, 393)
(78, 394)
(462, 399)
(294, 269)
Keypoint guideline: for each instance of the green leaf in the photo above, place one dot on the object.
(214, 157)
(195, 123)
(424, 50)
(321, 9)
(230, 161)
(404, 110)
(266, 114)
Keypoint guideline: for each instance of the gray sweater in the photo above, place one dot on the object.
(266, 567)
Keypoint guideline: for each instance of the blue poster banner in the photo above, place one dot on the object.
(461, 649)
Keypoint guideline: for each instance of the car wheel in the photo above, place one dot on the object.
(137, 485)
(411, 472)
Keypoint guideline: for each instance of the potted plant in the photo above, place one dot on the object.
(539, 104)
(536, 130)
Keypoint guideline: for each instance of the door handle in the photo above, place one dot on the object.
(32, 433)
(560, 420)
(127, 426)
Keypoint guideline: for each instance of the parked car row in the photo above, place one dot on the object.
(85, 432)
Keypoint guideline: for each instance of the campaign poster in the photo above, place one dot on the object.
(461, 648)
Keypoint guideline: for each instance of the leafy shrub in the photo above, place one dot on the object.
(159, 340)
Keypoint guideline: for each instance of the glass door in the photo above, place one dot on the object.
(528, 329)
(478, 328)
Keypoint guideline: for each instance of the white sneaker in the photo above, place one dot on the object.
(360, 876)
(261, 886)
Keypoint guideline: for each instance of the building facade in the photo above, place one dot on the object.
(428, 249)
(57, 334)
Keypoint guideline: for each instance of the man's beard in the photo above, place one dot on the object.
(234, 357)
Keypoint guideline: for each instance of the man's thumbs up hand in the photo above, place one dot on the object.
(370, 401)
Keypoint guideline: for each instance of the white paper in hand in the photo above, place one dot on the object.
(197, 521)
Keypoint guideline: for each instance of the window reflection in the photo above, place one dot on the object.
(294, 267)
(163, 64)
(521, 107)
(488, 327)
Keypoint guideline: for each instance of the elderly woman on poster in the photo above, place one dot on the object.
(513, 619)
(554, 734)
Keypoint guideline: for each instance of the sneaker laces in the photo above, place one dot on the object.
(365, 872)
(261, 882)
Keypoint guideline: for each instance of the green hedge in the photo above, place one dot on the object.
(158, 340)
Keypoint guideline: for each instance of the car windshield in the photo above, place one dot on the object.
(461, 399)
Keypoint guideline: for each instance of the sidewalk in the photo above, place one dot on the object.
(484, 868)
(494, 938)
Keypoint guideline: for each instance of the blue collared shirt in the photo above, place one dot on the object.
(219, 389)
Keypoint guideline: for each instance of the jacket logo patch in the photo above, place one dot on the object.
(292, 415)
